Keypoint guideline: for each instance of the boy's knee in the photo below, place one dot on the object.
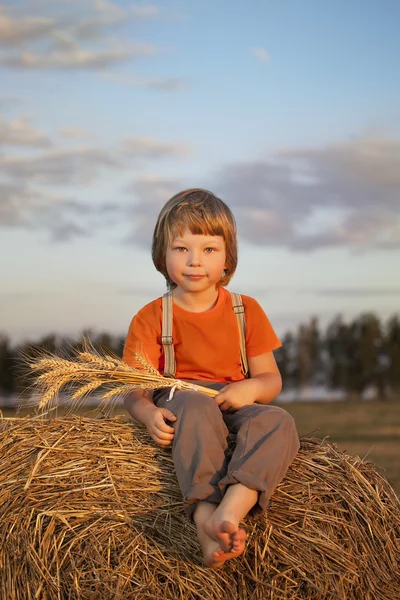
(287, 427)
(196, 404)
(276, 417)
(284, 417)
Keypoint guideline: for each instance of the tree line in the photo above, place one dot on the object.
(347, 356)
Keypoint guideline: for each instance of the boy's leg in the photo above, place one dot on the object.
(199, 447)
(266, 444)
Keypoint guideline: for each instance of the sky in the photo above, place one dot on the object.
(289, 110)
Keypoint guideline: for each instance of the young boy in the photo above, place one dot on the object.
(195, 248)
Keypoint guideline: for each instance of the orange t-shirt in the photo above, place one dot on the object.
(206, 344)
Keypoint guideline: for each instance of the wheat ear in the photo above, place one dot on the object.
(89, 370)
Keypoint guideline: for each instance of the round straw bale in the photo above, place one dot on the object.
(90, 509)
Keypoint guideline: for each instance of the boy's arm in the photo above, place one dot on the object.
(264, 385)
(264, 373)
(140, 406)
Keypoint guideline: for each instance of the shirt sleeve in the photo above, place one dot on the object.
(142, 338)
(260, 335)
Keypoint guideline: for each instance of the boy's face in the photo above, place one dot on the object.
(196, 262)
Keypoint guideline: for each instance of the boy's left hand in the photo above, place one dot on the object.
(235, 395)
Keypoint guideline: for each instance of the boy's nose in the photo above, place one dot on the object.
(193, 260)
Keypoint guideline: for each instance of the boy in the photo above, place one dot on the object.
(195, 248)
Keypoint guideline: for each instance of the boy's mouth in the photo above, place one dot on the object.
(194, 277)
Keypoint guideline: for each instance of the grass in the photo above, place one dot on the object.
(367, 429)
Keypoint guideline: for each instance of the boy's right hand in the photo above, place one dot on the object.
(157, 427)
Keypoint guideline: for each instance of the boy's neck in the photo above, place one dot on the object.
(195, 302)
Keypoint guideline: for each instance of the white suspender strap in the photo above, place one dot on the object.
(168, 342)
(166, 336)
(239, 312)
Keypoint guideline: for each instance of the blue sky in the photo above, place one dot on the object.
(289, 110)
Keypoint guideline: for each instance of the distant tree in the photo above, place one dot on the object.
(104, 342)
(364, 354)
(338, 345)
(23, 375)
(7, 365)
(307, 356)
(284, 359)
(392, 354)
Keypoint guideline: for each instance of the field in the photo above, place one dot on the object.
(368, 429)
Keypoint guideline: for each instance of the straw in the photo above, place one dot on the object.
(91, 509)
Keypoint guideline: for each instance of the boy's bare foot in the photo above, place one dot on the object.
(224, 532)
(213, 556)
(219, 540)
(218, 526)
(219, 557)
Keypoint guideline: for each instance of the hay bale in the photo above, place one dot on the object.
(91, 509)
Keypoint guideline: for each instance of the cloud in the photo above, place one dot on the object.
(74, 132)
(71, 36)
(261, 54)
(19, 132)
(147, 147)
(166, 84)
(170, 84)
(22, 206)
(149, 193)
(26, 208)
(14, 30)
(78, 57)
(145, 11)
(18, 202)
(59, 167)
(305, 199)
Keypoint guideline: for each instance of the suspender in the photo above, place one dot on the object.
(239, 312)
(166, 336)
(168, 342)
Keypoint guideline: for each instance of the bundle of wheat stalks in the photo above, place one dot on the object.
(88, 371)
(90, 509)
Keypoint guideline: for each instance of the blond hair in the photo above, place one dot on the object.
(202, 213)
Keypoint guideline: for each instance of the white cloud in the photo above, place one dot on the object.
(14, 30)
(60, 218)
(71, 36)
(150, 192)
(78, 58)
(74, 132)
(59, 167)
(343, 194)
(19, 132)
(147, 147)
(261, 54)
(165, 84)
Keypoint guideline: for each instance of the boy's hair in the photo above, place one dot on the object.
(202, 213)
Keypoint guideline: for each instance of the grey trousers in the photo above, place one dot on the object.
(266, 444)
